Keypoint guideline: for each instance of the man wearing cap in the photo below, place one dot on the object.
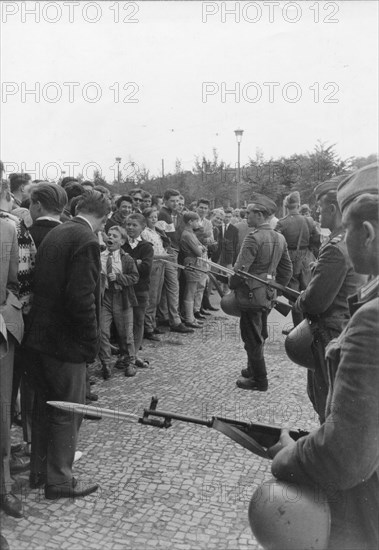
(300, 233)
(263, 253)
(342, 456)
(324, 301)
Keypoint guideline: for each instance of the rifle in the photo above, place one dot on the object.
(207, 272)
(255, 437)
(287, 292)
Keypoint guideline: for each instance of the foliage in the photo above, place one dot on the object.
(215, 180)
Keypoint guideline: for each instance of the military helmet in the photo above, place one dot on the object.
(287, 516)
(298, 345)
(229, 305)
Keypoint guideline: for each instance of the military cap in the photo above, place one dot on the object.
(292, 198)
(365, 180)
(260, 201)
(328, 185)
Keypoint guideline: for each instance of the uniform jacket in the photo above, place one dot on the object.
(290, 227)
(258, 249)
(342, 456)
(333, 281)
(64, 318)
(125, 281)
(10, 308)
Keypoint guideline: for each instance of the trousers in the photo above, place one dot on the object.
(253, 327)
(55, 432)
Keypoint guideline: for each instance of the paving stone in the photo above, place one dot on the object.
(184, 488)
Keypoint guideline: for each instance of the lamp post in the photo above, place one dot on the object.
(118, 160)
(239, 139)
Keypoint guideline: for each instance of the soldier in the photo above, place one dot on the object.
(301, 234)
(263, 253)
(324, 301)
(342, 455)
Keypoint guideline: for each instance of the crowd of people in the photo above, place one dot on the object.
(88, 275)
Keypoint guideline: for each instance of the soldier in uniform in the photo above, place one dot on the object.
(301, 234)
(263, 253)
(324, 301)
(342, 455)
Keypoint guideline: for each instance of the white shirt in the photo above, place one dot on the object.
(116, 261)
(133, 242)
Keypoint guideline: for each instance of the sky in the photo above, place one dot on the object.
(158, 80)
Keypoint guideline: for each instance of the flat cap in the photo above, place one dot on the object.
(260, 201)
(365, 180)
(328, 185)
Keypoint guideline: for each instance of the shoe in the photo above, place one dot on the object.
(203, 312)
(130, 370)
(163, 322)
(195, 324)
(158, 331)
(251, 384)
(11, 505)
(37, 480)
(181, 328)
(52, 492)
(198, 316)
(106, 371)
(3, 543)
(245, 373)
(151, 336)
(18, 464)
(142, 363)
(211, 308)
(92, 397)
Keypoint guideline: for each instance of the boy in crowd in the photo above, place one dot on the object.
(142, 253)
(118, 275)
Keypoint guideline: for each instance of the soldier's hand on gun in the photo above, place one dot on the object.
(285, 440)
(112, 277)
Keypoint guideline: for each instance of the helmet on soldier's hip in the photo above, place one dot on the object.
(298, 345)
(287, 516)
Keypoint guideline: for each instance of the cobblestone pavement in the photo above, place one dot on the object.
(183, 488)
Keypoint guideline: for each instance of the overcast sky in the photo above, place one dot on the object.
(181, 58)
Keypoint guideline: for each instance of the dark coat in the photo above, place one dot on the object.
(143, 251)
(228, 245)
(40, 229)
(64, 319)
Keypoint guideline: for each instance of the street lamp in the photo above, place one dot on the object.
(239, 139)
(118, 160)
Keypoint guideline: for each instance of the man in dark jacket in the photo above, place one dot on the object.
(64, 330)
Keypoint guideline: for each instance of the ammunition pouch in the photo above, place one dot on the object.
(254, 296)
